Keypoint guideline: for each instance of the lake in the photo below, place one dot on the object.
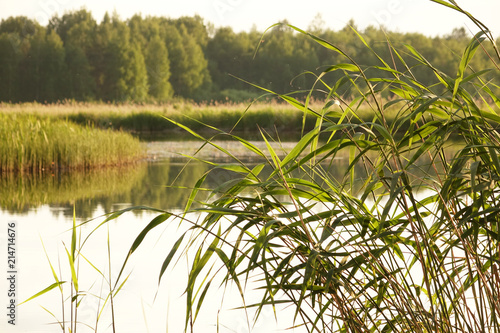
(41, 206)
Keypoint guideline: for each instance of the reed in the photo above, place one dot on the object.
(410, 244)
(32, 144)
(77, 293)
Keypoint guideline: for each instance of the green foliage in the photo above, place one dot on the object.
(237, 96)
(158, 68)
(80, 83)
(9, 70)
(187, 58)
(78, 28)
(125, 75)
(78, 33)
(150, 119)
(48, 57)
(80, 291)
(230, 53)
(187, 61)
(33, 64)
(136, 75)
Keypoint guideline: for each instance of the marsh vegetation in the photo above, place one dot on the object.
(32, 144)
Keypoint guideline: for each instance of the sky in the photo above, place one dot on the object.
(421, 16)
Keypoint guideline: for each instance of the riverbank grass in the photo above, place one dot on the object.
(32, 144)
(271, 116)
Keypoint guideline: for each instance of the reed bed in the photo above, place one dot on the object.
(32, 144)
(410, 244)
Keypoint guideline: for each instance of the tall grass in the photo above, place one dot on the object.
(404, 252)
(135, 118)
(29, 143)
(75, 291)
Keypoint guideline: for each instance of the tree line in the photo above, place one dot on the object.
(146, 59)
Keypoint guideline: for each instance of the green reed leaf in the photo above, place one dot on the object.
(44, 291)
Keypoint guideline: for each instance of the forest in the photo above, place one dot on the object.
(155, 59)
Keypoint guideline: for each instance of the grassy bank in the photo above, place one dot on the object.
(150, 118)
(33, 144)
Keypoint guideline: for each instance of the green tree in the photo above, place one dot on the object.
(42, 70)
(80, 84)
(197, 76)
(139, 30)
(121, 74)
(282, 57)
(136, 76)
(158, 69)
(78, 33)
(112, 38)
(228, 54)
(15, 43)
(195, 27)
(188, 66)
(9, 67)
(77, 28)
(22, 26)
(52, 68)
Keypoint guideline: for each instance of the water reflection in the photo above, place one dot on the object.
(161, 184)
(158, 184)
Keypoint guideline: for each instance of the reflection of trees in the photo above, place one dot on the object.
(168, 185)
(162, 185)
(149, 184)
(20, 192)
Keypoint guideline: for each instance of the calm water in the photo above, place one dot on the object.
(41, 206)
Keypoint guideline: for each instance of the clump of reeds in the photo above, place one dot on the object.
(33, 144)
(405, 240)
(77, 293)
